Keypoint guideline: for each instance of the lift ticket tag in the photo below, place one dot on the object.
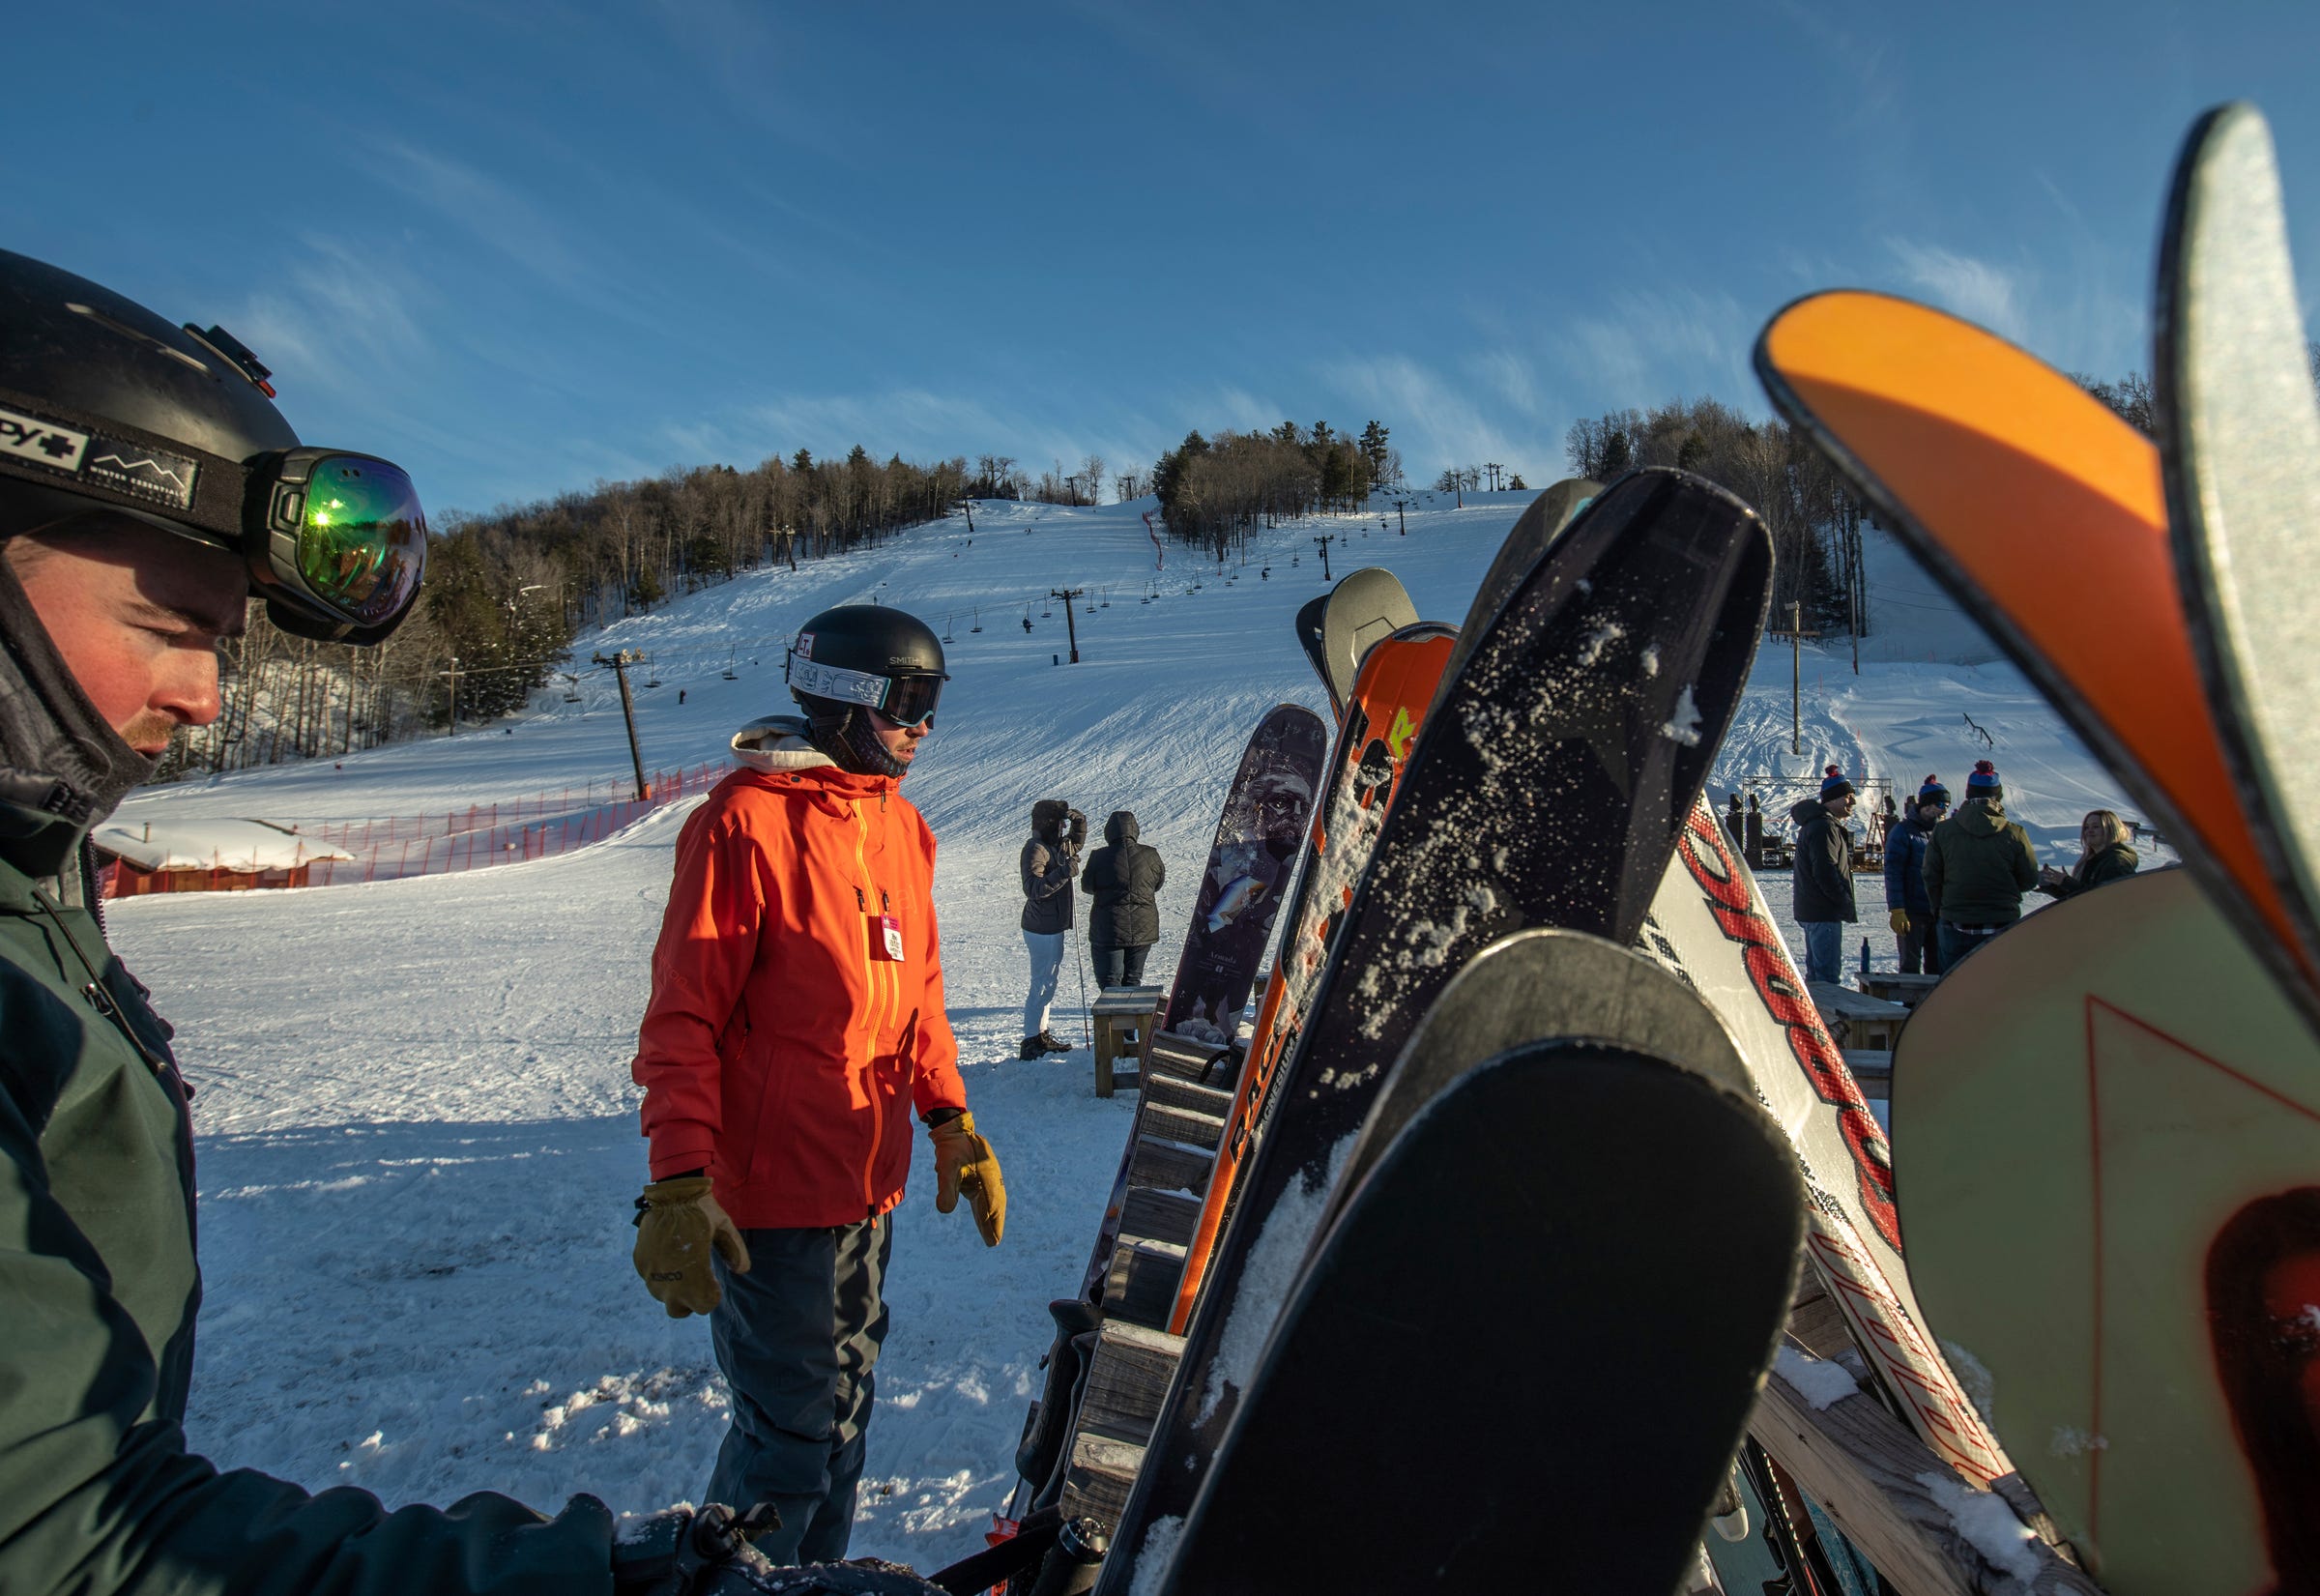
(890, 933)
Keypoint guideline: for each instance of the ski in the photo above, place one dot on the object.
(1382, 716)
(1626, 1402)
(1364, 608)
(2240, 442)
(1541, 522)
(1308, 628)
(2107, 1129)
(1551, 780)
(1257, 836)
(2015, 487)
(1709, 925)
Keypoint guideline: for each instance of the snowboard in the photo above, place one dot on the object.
(1531, 1081)
(2043, 514)
(2240, 440)
(1381, 719)
(1365, 608)
(1257, 836)
(1547, 784)
(2106, 1129)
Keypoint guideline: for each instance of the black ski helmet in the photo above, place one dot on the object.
(76, 346)
(860, 656)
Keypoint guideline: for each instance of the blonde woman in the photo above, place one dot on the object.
(2106, 853)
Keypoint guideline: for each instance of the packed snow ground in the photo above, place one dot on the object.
(416, 1132)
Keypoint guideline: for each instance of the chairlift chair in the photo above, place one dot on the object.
(978, 621)
(728, 672)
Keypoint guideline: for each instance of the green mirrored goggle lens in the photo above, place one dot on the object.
(361, 539)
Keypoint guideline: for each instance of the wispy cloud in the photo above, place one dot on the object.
(1436, 422)
(1978, 290)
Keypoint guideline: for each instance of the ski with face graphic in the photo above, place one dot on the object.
(1257, 836)
(1547, 787)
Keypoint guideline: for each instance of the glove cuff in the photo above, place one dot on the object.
(675, 1191)
(960, 1124)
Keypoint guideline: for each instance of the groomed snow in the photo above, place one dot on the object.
(416, 1132)
(245, 845)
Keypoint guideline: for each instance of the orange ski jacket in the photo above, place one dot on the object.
(785, 1044)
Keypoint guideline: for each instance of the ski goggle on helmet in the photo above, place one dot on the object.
(105, 405)
(873, 656)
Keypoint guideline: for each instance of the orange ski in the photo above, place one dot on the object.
(1395, 683)
(2045, 515)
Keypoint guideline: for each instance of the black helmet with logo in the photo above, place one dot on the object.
(865, 657)
(105, 405)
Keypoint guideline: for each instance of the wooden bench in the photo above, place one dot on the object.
(1894, 987)
(1872, 1070)
(1125, 1019)
(1855, 1019)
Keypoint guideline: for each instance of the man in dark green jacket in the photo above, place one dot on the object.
(131, 452)
(1978, 866)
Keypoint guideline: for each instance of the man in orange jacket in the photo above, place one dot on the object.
(796, 1019)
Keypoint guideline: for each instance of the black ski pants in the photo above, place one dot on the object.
(798, 1338)
(1120, 965)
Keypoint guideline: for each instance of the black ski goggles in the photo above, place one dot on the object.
(336, 543)
(904, 700)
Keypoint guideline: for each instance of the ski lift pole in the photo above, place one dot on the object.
(618, 665)
(1796, 635)
(1068, 594)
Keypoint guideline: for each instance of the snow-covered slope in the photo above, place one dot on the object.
(417, 1130)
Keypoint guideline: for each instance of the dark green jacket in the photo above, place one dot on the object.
(1978, 866)
(99, 1291)
(2115, 862)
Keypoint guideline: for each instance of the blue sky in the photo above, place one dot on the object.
(519, 248)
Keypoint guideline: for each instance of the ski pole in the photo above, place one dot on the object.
(1086, 1025)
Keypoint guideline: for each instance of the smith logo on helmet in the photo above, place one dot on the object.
(43, 443)
(155, 475)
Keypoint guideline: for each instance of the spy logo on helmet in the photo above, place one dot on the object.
(43, 443)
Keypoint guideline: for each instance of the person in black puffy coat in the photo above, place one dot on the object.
(1124, 876)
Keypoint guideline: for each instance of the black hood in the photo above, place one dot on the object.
(1047, 814)
(58, 757)
(1120, 828)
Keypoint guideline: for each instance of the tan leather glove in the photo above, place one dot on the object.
(677, 1222)
(1898, 919)
(964, 1162)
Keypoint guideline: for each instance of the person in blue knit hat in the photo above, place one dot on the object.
(1823, 876)
(1978, 866)
(1907, 908)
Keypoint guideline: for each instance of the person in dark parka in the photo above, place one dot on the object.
(1823, 876)
(2106, 853)
(1124, 920)
(1907, 908)
(1978, 866)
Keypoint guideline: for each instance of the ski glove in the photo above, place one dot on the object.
(1079, 830)
(677, 1222)
(964, 1162)
(1898, 919)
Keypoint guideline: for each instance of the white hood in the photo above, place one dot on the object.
(776, 742)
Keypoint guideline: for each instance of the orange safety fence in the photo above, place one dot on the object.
(443, 841)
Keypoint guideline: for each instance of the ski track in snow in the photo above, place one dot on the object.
(414, 1098)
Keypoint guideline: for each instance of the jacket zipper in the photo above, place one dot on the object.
(885, 991)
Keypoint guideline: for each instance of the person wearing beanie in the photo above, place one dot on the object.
(1823, 876)
(1978, 866)
(796, 1020)
(1907, 908)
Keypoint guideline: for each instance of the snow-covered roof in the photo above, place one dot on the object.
(247, 845)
